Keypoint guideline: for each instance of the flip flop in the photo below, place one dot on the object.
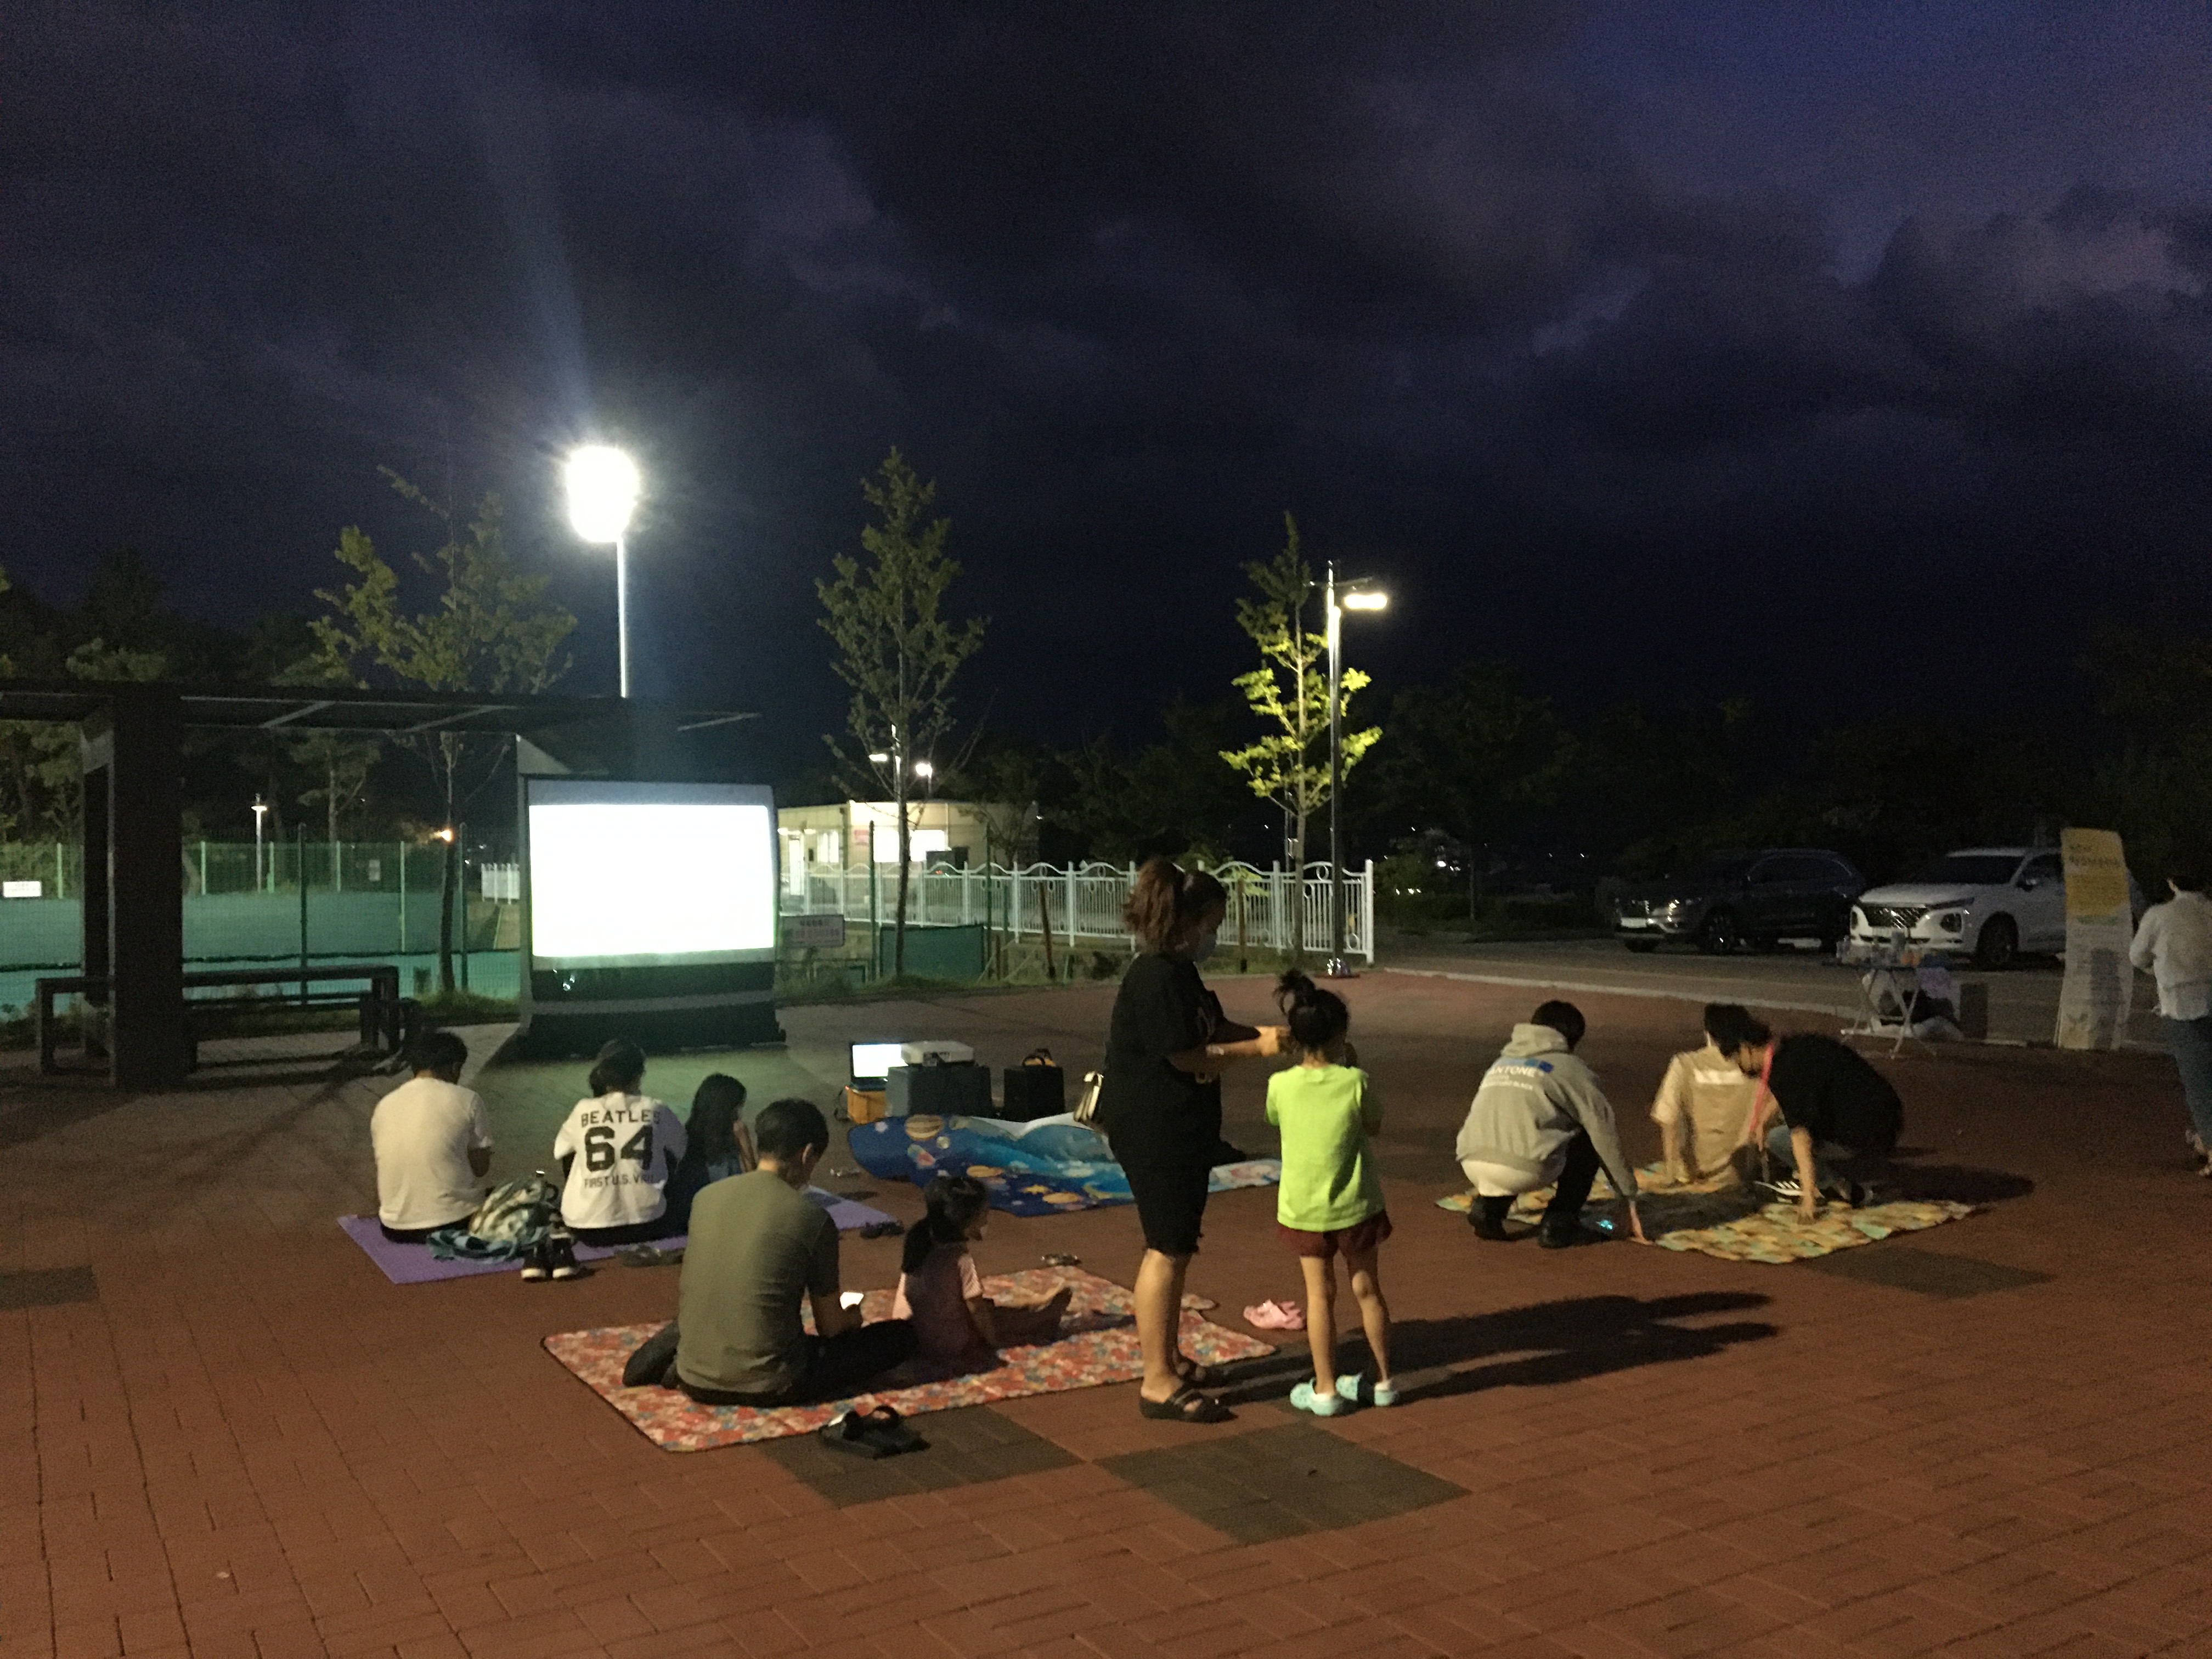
(1057, 1259)
(882, 1428)
(1186, 1405)
(848, 1432)
(1271, 1316)
(882, 1230)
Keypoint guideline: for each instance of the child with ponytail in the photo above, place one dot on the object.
(1331, 1199)
(940, 1291)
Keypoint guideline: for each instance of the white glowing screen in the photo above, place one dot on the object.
(636, 881)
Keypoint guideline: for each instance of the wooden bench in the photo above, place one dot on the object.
(386, 1019)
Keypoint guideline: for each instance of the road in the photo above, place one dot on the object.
(2023, 1000)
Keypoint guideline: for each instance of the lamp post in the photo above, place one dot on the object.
(603, 487)
(1357, 598)
(260, 814)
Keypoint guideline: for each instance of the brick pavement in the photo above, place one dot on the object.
(244, 1445)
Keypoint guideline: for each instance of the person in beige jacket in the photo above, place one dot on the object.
(1701, 1108)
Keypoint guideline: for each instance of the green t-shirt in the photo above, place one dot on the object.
(756, 1249)
(1326, 1114)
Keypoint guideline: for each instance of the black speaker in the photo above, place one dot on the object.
(957, 1090)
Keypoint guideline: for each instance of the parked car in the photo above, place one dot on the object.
(1739, 898)
(1992, 903)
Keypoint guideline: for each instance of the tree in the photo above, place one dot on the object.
(491, 629)
(1289, 693)
(895, 650)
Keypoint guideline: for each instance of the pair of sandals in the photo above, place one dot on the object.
(1186, 1404)
(870, 1434)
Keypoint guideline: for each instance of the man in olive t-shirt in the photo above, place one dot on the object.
(757, 1245)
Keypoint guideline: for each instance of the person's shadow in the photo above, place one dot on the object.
(1545, 1344)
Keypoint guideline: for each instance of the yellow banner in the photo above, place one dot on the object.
(2093, 1002)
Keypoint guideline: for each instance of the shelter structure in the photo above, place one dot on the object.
(132, 736)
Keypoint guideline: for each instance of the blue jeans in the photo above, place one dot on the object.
(2191, 1042)
(1783, 1158)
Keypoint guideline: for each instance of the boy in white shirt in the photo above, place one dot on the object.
(617, 1151)
(1701, 1108)
(2174, 944)
(431, 1139)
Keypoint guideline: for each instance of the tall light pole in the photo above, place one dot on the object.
(1358, 597)
(260, 814)
(602, 489)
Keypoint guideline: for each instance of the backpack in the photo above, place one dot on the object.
(513, 1219)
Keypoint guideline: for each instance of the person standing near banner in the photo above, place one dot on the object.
(2174, 946)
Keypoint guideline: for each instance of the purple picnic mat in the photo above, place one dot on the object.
(413, 1264)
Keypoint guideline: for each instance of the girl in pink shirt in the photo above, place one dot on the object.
(940, 1291)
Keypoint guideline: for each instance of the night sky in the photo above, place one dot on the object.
(1841, 354)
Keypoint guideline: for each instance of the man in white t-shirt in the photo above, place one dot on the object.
(2174, 946)
(433, 1143)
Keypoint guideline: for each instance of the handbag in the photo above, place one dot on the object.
(1086, 1103)
(1037, 1088)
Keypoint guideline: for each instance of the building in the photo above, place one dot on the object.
(847, 836)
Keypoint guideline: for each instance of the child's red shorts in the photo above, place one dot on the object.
(1357, 1239)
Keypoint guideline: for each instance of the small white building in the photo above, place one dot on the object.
(847, 836)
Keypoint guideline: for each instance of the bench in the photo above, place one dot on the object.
(386, 1019)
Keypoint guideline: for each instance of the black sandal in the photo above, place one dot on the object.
(1186, 1405)
(1197, 1375)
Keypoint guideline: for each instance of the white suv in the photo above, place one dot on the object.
(1993, 902)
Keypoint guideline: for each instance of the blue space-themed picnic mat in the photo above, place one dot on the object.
(1044, 1168)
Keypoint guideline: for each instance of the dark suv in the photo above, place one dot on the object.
(1737, 899)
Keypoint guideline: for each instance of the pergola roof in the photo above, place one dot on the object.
(333, 709)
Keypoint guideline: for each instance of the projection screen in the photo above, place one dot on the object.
(647, 875)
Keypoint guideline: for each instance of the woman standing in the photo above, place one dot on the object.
(1161, 1107)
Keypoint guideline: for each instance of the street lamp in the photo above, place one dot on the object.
(1359, 597)
(603, 486)
(260, 813)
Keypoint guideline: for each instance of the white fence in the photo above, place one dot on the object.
(1082, 904)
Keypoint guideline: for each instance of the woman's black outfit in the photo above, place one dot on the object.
(1165, 1123)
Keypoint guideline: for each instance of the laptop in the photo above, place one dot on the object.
(871, 1064)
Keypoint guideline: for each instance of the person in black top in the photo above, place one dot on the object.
(1835, 1109)
(1160, 1107)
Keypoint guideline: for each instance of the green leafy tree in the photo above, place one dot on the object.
(897, 651)
(1289, 694)
(490, 628)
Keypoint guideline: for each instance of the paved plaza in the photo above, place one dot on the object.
(229, 1436)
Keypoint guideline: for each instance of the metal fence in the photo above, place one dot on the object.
(294, 900)
(1082, 904)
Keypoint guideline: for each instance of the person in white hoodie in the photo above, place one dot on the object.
(1539, 1120)
(2173, 943)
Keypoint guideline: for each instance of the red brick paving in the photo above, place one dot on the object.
(252, 1447)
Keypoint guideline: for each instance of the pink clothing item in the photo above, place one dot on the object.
(935, 1296)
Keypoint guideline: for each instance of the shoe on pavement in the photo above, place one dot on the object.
(535, 1267)
(561, 1256)
(1307, 1397)
(1484, 1226)
(1560, 1238)
(1358, 1389)
(1783, 1186)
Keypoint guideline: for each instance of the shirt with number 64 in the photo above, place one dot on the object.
(621, 1150)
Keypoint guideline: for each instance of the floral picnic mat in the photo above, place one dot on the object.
(1722, 1218)
(1097, 1345)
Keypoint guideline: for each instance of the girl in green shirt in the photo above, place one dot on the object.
(1331, 1200)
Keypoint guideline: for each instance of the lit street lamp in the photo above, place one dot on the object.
(260, 814)
(1357, 597)
(603, 489)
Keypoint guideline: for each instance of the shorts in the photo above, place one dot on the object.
(1361, 1238)
(1170, 1204)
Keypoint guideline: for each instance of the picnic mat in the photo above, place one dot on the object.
(413, 1264)
(1042, 1168)
(1097, 1345)
(1717, 1217)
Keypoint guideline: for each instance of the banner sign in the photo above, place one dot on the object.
(2093, 1003)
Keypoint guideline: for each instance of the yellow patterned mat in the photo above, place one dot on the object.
(1717, 1218)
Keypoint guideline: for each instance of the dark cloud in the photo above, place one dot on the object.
(1516, 303)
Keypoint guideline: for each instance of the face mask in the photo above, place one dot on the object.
(1204, 948)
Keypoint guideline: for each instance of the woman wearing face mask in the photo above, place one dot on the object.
(1161, 1107)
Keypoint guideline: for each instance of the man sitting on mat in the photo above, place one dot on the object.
(1700, 1110)
(757, 1245)
(1539, 1120)
(1838, 1116)
(431, 1139)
